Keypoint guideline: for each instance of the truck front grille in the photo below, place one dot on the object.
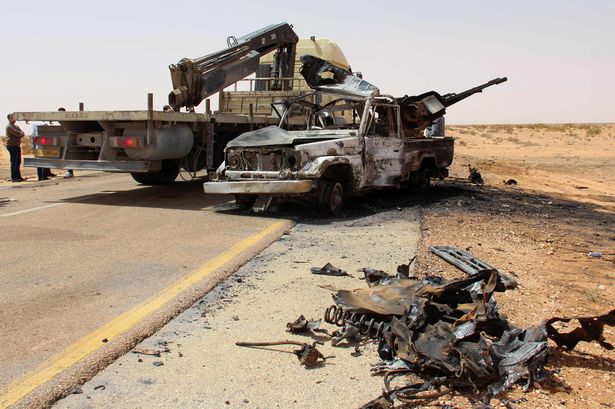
(253, 160)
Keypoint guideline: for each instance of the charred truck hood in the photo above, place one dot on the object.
(275, 136)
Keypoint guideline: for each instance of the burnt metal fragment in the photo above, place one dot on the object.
(469, 264)
(330, 270)
(348, 332)
(308, 355)
(303, 326)
(381, 402)
(448, 333)
(321, 75)
(591, 330)
(475, 176)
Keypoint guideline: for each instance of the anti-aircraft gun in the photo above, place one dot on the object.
(418, 111)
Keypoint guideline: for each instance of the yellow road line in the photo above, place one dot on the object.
(122, 323)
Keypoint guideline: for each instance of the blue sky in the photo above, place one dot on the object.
(559, 56)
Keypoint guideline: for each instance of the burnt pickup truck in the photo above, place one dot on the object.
(359, 141)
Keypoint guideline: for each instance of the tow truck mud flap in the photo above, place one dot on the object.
(259, 187)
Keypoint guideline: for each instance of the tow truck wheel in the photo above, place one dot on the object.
(331, 198)
(167, 174)
(245, 201)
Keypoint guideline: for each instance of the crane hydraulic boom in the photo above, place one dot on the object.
(196, 79)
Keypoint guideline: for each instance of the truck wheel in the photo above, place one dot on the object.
(331, 198)
(167, 174)
(420, 179)
(245, 201)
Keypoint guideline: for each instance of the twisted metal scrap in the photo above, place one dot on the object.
(591, 330)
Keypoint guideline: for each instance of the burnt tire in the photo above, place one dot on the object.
(245, 201)
(166, 175)
(331, 198)
(420, 179)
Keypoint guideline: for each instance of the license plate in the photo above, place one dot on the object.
(47, 152)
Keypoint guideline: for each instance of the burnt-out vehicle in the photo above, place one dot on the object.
(359, 141)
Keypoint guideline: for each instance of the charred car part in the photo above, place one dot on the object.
(591, 330)
(303, 326)
(449, 330)
(307, 354)
(469, 264)
(322, 75)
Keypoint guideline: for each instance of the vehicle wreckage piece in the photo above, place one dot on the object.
(469, 264)
(303, 326)
(321, 75)
(307, 354)
(591, 330)
(449, 330)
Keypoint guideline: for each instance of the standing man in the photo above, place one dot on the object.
(13, 145)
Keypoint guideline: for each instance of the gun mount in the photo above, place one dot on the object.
(417, 112)
(196, 79)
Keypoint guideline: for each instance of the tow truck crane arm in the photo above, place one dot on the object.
(196, 79)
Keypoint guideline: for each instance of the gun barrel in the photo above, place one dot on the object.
(450, 99)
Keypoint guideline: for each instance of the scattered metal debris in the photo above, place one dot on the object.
(591, 330)
(475, 176)
(510, 182)
(447, 333)
(308, 355)
(101, 387)
(147, 351)
(304, 326)
(469, 264)
(330, 270)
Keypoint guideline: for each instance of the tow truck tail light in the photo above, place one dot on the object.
(46, 141)
(126, 141)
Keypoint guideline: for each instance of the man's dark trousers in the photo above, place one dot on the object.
(15, 152)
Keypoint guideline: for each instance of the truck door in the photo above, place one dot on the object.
(383, 164)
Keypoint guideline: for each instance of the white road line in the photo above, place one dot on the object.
(32, 210)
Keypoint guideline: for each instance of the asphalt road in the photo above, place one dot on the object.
(77, 253)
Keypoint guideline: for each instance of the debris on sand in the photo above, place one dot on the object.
(591, 330)
(147, 351)
(469, 264)
(330, 270)
(475, 176)
(510, 182)
(308, 355)
(303, 326)
(439, 335)
(448, 333)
